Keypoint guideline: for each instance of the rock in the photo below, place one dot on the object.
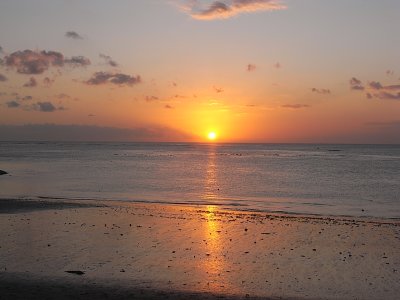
(76, 272)
(3, 172)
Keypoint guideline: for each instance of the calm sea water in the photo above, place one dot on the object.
(350, 180)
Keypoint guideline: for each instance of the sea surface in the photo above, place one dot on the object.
(328, 180)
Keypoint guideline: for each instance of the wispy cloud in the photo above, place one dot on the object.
(225, 9)
(295, 106)
(73, 35)
(37, 62)
(277, 65)
(321, 91)
(151, 98)
(100, 78)
(251, 67)
(218, 90)
(109, 61)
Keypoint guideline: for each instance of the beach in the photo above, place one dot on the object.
(119, 250)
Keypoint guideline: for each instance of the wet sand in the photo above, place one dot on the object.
(151, 251)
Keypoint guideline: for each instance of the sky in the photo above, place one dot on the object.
(265, 71)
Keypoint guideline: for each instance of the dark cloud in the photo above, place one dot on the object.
(12, 104)
(31, 83)
(295, 106)
(33, 62)
(251, 67)
(100, 78)
(109, 60)
(375, 85)
(356, 84)
(167, 106)
(45, 107)
(37, 62)
(3, 78)
(228, 8)
(321, 91)
(377, 90)
(73, 35)
(77, 61)
(52, 132)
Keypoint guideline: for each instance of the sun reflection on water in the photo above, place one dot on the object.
(214, 263)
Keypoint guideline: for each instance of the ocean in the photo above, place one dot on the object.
(325, 180)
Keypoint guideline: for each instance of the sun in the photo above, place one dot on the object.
(212, 136)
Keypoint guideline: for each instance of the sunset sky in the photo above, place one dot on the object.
(175, 70)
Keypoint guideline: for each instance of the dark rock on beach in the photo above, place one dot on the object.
(3, 172)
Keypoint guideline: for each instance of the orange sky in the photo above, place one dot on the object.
(251, 71)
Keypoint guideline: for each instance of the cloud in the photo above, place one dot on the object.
(73, 35)
(375, 85)
(77, 61)
(109, 60)
(389, 72)
(63, 96)
(27, 98)
(31, 83)
(225, 9)
(1, 49)
(295, 106)
(100, 78)
(37, 62)
(251, 67)
(356, 84)
(151, 98)
(218, 90)
(52, 132)
(377, 90)
(388, 96)
(3, 78)
(12, 104)
(47, 81)
(321, 91)
(277, 65)
(46, 106)
(167, 106)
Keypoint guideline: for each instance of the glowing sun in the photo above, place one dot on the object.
(212, 136)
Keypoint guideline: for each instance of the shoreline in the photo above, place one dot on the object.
(192, 252)
(42, 202)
